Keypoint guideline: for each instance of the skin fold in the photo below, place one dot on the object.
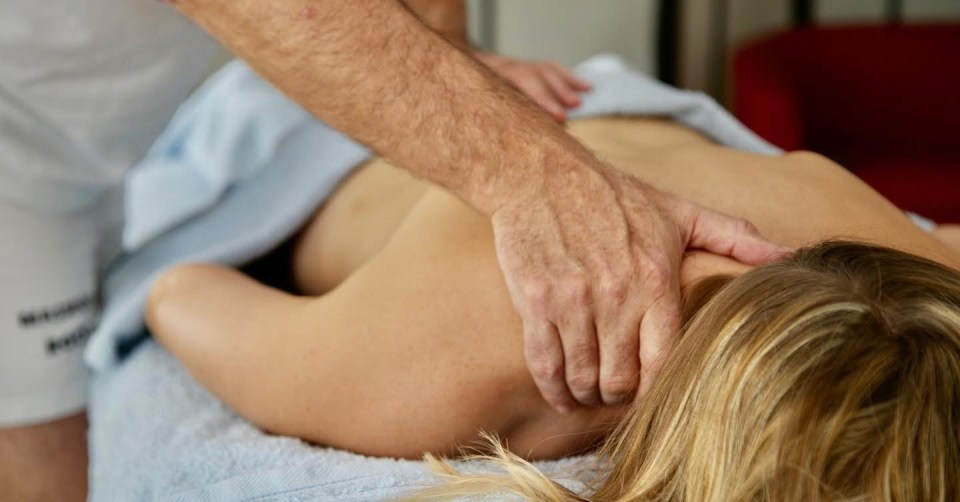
(403, 339)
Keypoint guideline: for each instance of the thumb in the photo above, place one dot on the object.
(734, 237)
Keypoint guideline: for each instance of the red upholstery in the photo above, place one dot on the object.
(883, 101)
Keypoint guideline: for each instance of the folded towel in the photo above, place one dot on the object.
(155, 434)
(210, 144)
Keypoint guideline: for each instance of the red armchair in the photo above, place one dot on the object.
(884, 101)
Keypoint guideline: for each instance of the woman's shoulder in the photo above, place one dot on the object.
(861, 213)
(795, 199)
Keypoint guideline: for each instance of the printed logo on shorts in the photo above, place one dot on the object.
(66, 309)
(71, 340)
(39, 317)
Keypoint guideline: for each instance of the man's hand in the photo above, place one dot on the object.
(548, 84)
(592, 264)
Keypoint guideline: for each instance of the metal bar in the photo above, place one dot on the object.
(668, 41)
(802, 12)
(894, 10)
(720, 37)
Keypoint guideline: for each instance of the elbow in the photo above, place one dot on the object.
(171, 290)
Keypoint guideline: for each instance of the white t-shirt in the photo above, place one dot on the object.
(85, 86)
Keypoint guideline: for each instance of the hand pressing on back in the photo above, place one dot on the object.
(591, 260)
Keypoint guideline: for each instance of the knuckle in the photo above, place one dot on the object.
(615, 287)
(546, 370)
(618, 385)
(537, 293)
(582, 381)
(577, 290)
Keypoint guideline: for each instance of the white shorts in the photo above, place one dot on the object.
(49, 264)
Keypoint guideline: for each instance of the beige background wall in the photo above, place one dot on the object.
(570, 30)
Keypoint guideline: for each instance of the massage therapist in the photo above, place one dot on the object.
(590, 255)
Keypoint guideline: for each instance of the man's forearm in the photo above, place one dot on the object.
(371, 69)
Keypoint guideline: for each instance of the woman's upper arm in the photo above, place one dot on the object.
(218, 322)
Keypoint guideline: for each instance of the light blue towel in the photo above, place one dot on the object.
(210, 144)
(237, 172)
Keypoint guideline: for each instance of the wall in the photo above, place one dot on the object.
(859, 10)
(569, 31)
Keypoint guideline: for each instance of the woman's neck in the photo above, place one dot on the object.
(698, 265)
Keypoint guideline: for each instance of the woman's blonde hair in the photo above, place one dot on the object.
(834, 375)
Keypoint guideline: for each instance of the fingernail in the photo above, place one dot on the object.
(565, 409)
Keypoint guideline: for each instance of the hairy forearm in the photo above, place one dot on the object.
(371, 69)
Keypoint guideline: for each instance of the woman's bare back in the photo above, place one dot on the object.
(415, 346)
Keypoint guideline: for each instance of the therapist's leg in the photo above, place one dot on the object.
(47, 302)
(45, 462)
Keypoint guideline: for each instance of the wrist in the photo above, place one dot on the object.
(565, 171)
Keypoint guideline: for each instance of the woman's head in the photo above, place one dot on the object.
(833, 375)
